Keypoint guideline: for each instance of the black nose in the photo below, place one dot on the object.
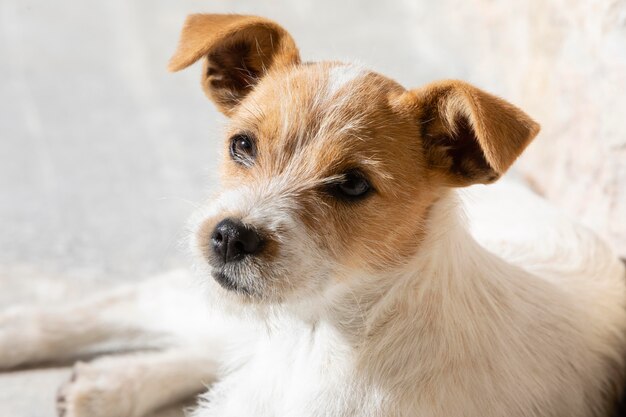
(232, 240)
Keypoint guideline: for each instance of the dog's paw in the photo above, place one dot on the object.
(95, 390)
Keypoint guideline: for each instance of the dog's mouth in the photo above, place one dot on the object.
(230, 283)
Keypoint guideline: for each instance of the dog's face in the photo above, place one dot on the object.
(329, 169)
(322, 167)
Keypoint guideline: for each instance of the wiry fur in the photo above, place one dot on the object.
(399, 304)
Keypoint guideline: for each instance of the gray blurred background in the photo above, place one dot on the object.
(103, 154)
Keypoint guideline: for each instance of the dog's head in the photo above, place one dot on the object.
(329, 168)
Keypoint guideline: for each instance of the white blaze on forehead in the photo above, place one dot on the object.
(342, 75)
(330, 103)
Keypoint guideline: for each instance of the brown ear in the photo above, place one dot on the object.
(238, 51)
(468, 135)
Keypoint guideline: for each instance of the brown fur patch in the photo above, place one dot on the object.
(470, 136)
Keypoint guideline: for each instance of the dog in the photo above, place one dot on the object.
(346, 268)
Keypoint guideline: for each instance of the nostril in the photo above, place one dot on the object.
(217, 236)
(249, 241)
(239, 248)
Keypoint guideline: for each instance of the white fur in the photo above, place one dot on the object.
(270, 204)
(341, 76)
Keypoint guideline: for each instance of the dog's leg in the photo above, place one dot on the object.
(145, 315)
(134, 385)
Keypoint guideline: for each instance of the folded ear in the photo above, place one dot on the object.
(238, 51)
(468, 135)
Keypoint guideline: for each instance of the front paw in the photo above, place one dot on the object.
(94, 391)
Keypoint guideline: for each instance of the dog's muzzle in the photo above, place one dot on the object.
(231, 243)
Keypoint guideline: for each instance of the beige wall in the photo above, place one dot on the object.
(565, 63)
(576, 82)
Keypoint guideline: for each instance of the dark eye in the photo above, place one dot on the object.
(353, 186)
(242, 149)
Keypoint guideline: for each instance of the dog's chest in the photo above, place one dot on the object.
(290, 373)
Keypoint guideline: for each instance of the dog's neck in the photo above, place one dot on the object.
(447, 263)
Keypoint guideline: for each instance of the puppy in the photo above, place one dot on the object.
(344, 278)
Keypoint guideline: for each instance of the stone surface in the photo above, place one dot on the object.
(103, 154)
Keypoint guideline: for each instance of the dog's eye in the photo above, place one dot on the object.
(353, 186)
(242, 148)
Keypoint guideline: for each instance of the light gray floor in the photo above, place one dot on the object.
(103, 154)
